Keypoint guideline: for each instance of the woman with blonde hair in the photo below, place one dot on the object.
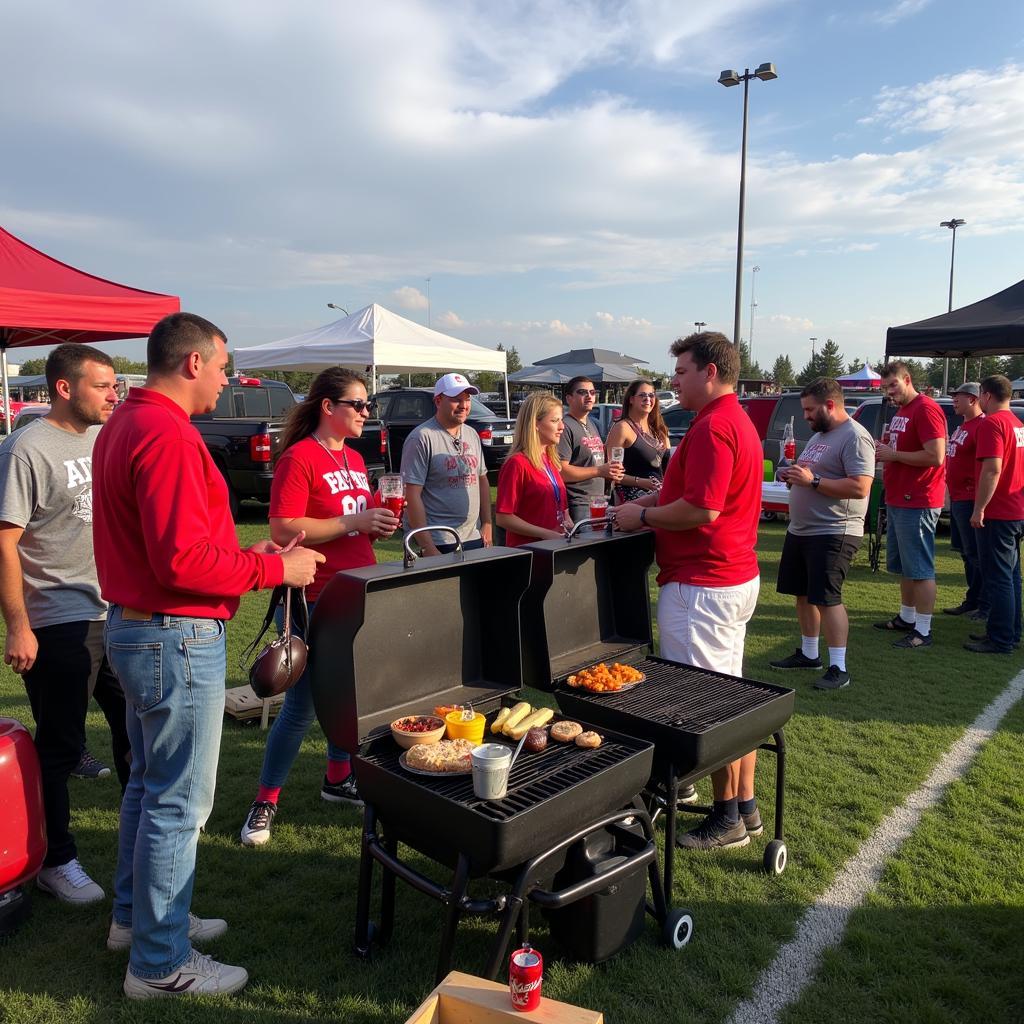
(643, 436)
(532, 501)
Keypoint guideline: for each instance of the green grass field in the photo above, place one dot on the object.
(938, 941)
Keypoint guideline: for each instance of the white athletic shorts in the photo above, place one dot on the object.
(706, 626)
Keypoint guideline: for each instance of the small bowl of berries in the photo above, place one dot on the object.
(415, 729)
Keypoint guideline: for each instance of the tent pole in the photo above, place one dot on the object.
(6, 387)
(373, 379)
(508, 404)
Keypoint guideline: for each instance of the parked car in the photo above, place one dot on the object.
(678, 421)
(874, 413)
(403, 409)
(27, 415)
(602, 415)
(667, 400)
(243, 435)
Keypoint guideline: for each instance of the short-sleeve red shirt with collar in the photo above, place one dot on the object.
(1001, 436)
(911, 427)
(529, 493)
(961, 461)
(718, 466)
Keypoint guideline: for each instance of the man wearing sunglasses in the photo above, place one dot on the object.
(444, 472)
(581, 450)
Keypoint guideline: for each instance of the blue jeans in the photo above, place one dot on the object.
(172, 671)
(963, 538)
(290, 727)
(999, 551)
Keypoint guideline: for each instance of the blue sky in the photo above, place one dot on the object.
(565, 173)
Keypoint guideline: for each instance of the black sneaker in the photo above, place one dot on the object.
(987, 647)
(984, 638)
(752, 822)
(796, 660)
(834, 679)
(913, 640)
(961, 609)
(341, 792)
(89, 768)
(714, 833)
(256, 830)
(978, 616)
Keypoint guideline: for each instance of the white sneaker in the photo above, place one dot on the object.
(69, 883)
(256, 830)
(199, 975)
(200, 929)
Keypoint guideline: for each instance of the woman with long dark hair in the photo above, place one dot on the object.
(321, 489)
(643, 436)
(532, 503)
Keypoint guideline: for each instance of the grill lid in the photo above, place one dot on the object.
(388, 641)
(588, 601)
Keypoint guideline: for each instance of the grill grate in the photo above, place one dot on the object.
(534, 779)
(687, 698)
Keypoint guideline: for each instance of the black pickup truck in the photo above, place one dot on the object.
(403, 409)
(243, 434)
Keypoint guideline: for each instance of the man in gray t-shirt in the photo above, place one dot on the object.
(581, 450)
(50, 596)
(445, 474)
(830, 483)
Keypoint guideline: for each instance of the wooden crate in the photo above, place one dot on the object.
(465, 999)
(242, 704)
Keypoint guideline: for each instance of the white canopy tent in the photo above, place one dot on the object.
(375, 340)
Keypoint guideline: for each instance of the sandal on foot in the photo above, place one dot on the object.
(896, 624)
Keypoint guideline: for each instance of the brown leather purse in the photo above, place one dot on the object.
(279, 666)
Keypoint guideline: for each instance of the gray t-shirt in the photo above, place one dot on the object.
(449, 470)
(46, 487)
(581, 445)
(845, 450)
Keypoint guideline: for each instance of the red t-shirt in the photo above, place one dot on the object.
(915, 486)
(961, 468)
(310, 483)
(528, 492)
(162, 531)
(719, 466)
(1000, 436)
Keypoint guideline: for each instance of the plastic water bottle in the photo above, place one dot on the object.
(787, 449)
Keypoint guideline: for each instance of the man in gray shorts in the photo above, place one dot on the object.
(830, 485)
(444, 472)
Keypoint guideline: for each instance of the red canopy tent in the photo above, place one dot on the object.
(46, 302)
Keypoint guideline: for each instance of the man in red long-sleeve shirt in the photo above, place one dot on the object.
(171, 569)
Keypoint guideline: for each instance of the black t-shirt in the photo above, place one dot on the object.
(581, 445)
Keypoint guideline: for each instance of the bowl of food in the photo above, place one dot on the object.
(415, 729)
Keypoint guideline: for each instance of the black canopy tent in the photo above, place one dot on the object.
(993, 326)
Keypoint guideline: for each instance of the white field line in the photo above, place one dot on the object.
(824, 922)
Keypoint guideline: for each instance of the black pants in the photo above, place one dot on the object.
(69, 668)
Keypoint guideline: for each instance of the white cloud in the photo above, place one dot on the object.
(449, 320)
(898, 11)
(791, 323)
(409, 298)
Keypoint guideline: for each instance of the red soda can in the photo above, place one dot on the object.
(525, 976)
(790, 450)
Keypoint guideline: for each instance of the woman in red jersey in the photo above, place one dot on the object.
(532, 502)
(320, 489)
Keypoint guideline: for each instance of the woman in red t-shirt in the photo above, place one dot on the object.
(320, 492)
(532, 502)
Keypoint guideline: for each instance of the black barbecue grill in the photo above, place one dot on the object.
(397, 639)
(698, 720)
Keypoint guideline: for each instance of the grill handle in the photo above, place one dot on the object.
(410, 555)
(607, 522)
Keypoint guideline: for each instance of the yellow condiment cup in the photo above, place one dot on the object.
(458, 729)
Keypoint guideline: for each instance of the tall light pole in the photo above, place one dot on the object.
(813, 340)
(331, 305)
(700, 324)
(766, 72)
(754, 271)
(953, 225)
(428, 301)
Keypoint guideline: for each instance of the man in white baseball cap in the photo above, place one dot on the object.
(445, 474)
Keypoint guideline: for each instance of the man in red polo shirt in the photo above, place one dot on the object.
(170, 567)
(915, 488)
(998, 517)
(705, 521)
(961, 470)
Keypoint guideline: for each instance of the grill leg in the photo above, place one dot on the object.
(780, 780)
(523, 925)
(515, 910)
(671, 813)
(460, 883)
(362, 936)
(387, 895)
